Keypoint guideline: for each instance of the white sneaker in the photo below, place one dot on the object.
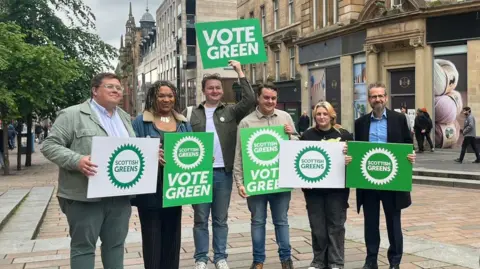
(311, 267)
(222, 264)
(200, 265)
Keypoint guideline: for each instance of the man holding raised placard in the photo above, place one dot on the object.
(220, 119)
(266, 115)
(383, 126)
(69, 145)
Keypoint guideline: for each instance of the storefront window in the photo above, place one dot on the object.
(450, 93)
(317, 86)
(359, 90)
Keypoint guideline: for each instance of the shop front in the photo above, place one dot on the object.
(322, 61)
(290, 98)
(336, 73)
(456, 49)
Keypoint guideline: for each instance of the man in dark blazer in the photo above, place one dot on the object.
(383, 126)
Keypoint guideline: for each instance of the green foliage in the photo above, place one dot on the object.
(29, 74)
(41, 27)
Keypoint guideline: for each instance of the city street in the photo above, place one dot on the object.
(441, 228)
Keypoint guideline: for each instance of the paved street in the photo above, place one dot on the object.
(441, 228)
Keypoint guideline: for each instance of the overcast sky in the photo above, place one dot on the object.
(112, 15)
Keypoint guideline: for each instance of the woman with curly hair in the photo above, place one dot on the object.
(161, 227)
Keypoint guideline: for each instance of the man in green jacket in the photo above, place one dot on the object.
(221, 119)
(69, 146)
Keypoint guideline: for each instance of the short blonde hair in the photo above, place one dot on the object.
(330, 110)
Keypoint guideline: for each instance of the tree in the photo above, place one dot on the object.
(76, 41)
(28, 73)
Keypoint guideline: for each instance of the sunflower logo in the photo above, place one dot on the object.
(126, 166)
(312, 164)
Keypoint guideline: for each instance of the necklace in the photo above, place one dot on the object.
(165, 119)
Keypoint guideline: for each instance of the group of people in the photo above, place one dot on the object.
(69, 146)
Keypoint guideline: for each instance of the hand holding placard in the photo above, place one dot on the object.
(221, 41)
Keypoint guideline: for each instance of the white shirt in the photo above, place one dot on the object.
(217, 149)
(113, 125)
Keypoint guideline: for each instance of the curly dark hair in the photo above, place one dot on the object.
(151, 99)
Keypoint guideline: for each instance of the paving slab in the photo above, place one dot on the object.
(9, 201)
(23, 224)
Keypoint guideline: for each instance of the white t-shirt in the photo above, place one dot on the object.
(217, 149)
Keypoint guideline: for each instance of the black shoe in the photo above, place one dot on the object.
(370, 266)
(394, 267)
(476, 161)
(458, 160)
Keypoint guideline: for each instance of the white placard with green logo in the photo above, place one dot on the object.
(126, 166)
(312, 164)
(260, 152)
(188, 173)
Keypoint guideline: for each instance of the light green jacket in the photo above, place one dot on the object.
(69, 140)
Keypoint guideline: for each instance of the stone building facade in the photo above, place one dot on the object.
(425, 51)
(281, 22)
(176, 22)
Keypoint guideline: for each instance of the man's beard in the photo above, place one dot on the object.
(378, 107)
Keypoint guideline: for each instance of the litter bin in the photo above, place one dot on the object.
(23, 145)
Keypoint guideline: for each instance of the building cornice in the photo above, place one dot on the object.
(451, 9)
(281, 30)
(423, 13)
(329, 33)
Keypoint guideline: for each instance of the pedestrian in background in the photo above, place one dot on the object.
(422, 128)
(469, 135)
(303, 122)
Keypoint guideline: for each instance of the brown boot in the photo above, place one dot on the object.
(288, 264)
(256, 265)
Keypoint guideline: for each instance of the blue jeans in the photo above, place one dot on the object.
(279, 204)
(222, 191)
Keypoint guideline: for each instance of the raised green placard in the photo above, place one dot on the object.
(188, 172)
(239, 40)
(379, 166)
(260, 156)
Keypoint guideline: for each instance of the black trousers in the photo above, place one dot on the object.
(327, 213)
(421, 139)
(161, 237)
(469, 140)
(371, 212)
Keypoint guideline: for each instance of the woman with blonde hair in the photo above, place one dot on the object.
(327, 208)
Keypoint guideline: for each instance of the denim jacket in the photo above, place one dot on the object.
(144, 127)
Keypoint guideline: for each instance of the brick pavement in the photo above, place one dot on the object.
(240, 255)
(439, 214)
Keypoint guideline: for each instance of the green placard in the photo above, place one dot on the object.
(222, 41)
(260, 154)
(187, 176)
(379, 166)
